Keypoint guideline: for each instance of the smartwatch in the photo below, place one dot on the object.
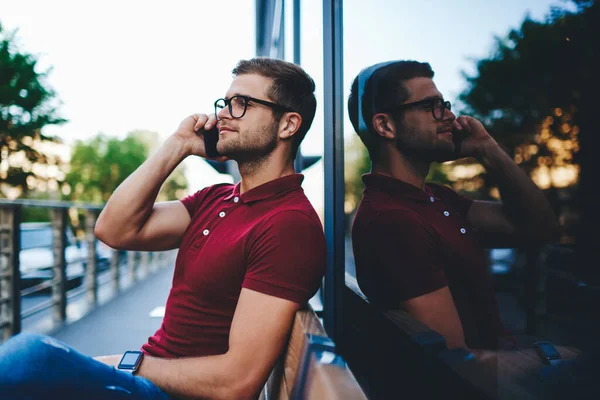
(548, 353)
(130, 362)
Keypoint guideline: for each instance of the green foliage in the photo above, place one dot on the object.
(27, 104)
(98, 167)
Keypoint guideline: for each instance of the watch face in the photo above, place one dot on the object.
(548, 350)
(130, 360)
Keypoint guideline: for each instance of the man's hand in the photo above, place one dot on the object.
(191, 133)
(476, 136)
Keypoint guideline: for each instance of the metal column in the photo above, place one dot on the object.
(334, 166)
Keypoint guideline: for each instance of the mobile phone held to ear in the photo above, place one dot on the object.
(457, 137)
(547, 351)
(211, 137)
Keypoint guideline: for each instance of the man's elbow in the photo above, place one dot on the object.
(102, 231)
(244, 383)
(244, 389)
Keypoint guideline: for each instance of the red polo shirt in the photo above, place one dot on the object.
(409, 242)
(268, 239)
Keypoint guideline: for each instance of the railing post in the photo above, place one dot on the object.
(10, 275)
(114, 269)
(144, 263)
(59, 280)
(160, 259)
(131, 266)
(91, 276)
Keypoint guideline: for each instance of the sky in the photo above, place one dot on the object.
(119, 66)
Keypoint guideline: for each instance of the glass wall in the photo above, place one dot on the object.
(524, 69)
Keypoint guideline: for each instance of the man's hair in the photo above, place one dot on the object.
(387, 83)
(292, 87)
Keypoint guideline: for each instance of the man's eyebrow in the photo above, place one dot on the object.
(235, 94)
(433, 97)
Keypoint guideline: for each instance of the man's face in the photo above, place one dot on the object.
(418, 132)
(255, 134)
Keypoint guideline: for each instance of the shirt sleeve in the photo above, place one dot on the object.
(406, 264)
(287, 258)
(193, 201)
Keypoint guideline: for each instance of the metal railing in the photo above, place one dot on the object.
(62, 280)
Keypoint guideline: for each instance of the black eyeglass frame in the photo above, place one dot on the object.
(425, 102)
(247, 99)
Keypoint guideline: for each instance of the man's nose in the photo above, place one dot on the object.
(223, 113)
(449, 115)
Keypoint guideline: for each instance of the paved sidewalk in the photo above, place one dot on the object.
(123, 323)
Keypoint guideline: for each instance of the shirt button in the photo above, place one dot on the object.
(446, 213)
(236, 199)
(205, 232)
(431, 199)
(222, 214)
(463, 230)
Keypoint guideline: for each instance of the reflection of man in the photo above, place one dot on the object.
(249, 256)
(420, 246)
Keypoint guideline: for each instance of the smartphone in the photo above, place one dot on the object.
(547, 351)
(211, 137)
(457, 137)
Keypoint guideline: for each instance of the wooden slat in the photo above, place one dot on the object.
(305, 322)
(507, 374)
(282, 378)
(332, 382)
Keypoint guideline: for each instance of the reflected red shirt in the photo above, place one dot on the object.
(268, 239)
(409, 242)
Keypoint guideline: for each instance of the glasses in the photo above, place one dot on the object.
(437, 106)
(238, 105)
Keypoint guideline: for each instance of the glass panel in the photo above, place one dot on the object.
(518, 67)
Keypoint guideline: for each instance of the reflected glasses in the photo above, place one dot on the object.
(238, 105)
(437, 106)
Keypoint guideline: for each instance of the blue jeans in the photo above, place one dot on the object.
(40, 367)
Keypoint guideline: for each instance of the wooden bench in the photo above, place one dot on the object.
(310, 367)
(394, 356)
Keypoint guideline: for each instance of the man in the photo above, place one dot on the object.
(418, 246)
(249, 256)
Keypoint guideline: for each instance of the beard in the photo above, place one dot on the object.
(250, 146)
(411, 142)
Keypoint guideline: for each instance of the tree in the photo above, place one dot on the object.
(100, 165)
(537, 93)
(27, 104)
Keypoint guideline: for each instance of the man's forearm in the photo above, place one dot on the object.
(524, 203)
(131, 203)
(212, 377)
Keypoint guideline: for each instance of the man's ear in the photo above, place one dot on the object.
(289, 125)
(384, 125)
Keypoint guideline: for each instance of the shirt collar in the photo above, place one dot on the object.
(397, 188)
(266, 190)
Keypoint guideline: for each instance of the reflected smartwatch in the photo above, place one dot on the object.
(130, 362)
(548, 352)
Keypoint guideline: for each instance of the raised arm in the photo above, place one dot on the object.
(131, 220)
(524, 215)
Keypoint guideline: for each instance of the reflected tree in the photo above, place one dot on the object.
(538, 95)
